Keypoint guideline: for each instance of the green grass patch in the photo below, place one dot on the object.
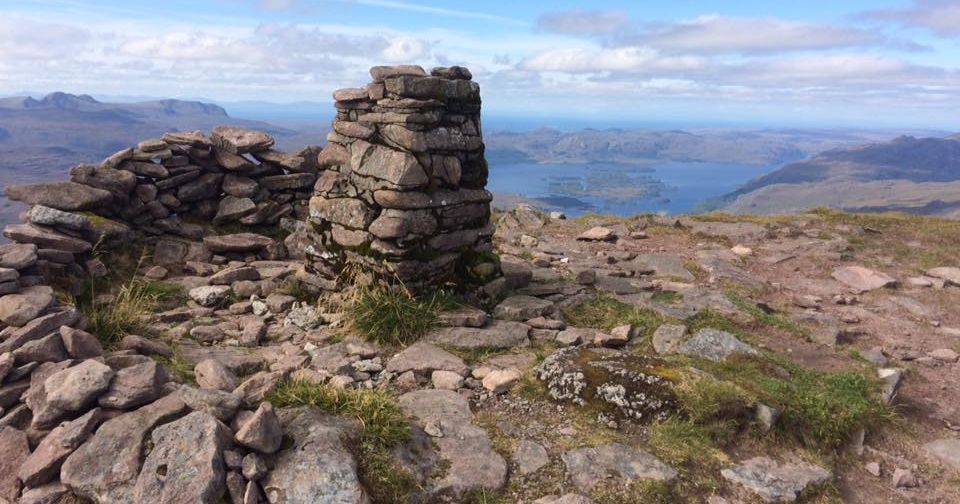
(383, 426)
(638, 491)
(484, 496)
(181, 369)
(666, 297)
(472, 356)
(605, 312)
(705, 399)
(684, 443)
(770, 319)
(300, 290)
(819, 410)
(712, 319)
(394, 316)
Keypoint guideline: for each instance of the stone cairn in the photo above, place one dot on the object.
(403, 192)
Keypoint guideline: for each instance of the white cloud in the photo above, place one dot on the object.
(938, 16)
(620, 59)
(403, 49)
(27, 39)
(582, 22)
(723, 34)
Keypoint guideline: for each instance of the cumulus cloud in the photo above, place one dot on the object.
(620, 59)
(583, 22)
(403, 49)
(27, 39)
(724, 34)
(938, 16)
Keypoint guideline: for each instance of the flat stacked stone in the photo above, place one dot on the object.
(403, 188)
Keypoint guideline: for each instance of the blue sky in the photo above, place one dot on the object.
(893, 63)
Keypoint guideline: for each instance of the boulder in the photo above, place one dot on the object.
(22, 307)
(775, 482)
(134, 386)
(471, 462)
(950, 274)
(186, 462)
(598, 234)
(318, 466)
(713, 344)
(46, 349)
(222, 405)
(89, 473)
(60, 195)
(232, 208)
(946, 451)
(211, 374)
(614, 464)
(43, 465)
(75, 388)
(144, 346)
(43, 238)
(210, 295)
(80, 344)
(240, 242)
(530, 456)
(262, 431)
(861, 279)
(498, 335)
(18, 256)
(38, 328)
(520, 308)
(15, 450)
(240, 141)
(424, 358)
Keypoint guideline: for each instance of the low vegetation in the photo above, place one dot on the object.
(129, 310)
(383, 426)
(604, 312)
(393, 315)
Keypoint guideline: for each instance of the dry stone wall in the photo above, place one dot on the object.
(402, 190)
(172, 187)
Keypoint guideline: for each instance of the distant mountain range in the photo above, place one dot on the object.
(763, 147)
(41, 138)
(917, 175)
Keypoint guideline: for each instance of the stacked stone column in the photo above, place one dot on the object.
(403, 193)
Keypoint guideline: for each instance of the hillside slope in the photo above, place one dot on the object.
(918, 175)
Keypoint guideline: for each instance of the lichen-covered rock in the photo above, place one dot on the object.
(613, 464)
(713, 344)
(470, 460)
(89, 473)
(622, 384)
(186, 462)
(775, 482)
(318, 467)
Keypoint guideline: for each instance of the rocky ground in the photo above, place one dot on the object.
(810, 358)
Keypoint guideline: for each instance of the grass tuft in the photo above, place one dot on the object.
(383, 422)
(129, 312)
(299, 290)
(394, 316)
